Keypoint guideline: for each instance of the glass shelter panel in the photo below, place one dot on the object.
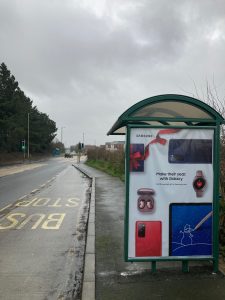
(170, 109)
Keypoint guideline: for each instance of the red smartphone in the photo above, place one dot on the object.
(148, 238)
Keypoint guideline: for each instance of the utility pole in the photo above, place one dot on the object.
(79, 152)
(28, 135)
(62, 133)
(62, 148)
(83, 144)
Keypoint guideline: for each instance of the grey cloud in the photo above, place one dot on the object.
(84, 64)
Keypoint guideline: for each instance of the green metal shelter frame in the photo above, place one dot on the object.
(173, 111)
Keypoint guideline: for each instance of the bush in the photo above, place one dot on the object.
(111, 162)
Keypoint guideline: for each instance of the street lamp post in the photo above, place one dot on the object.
(62, 133)
(28, 135)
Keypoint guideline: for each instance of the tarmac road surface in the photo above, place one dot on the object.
(42, 236)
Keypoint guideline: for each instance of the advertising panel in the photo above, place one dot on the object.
(170, 193)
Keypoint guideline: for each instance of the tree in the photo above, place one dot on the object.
(8, 88)
(211, 97)
(14, 109)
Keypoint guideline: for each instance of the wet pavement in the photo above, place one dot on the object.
(117, 279)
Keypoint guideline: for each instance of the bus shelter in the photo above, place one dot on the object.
(172, 180)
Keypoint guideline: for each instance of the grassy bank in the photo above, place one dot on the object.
(108, 167)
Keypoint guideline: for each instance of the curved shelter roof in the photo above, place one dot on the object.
(169, 109)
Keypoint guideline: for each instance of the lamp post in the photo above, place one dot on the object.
(28, 135)
(62, 133)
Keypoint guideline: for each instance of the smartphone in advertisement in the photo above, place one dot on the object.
(190, 151)
(148, 240)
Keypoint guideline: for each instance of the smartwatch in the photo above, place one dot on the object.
(199, 183)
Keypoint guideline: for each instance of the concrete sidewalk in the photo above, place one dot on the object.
(116, 279)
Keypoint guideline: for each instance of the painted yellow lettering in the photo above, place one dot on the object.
(41, 202)
(56, 203)
(11, 218)
(72, 202)
(26, 202)
(54, 221)
(32, 218)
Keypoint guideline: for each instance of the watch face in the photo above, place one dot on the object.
(199, 183)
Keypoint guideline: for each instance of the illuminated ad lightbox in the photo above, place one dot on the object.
(170, 193)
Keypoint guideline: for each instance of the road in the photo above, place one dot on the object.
(34, 176)
(42, 231)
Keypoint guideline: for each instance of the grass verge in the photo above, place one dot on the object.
(110, 168)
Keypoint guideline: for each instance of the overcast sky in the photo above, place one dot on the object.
(84, 62)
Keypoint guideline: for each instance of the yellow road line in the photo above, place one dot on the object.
(5, 207)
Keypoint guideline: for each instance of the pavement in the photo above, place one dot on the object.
(107, 276)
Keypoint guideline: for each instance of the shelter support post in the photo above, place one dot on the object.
(185, 266)
(153, 267)
(215, 265)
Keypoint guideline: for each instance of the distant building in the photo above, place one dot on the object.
(115, 146)
(89, 147)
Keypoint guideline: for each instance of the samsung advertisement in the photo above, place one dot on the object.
(170, 193)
